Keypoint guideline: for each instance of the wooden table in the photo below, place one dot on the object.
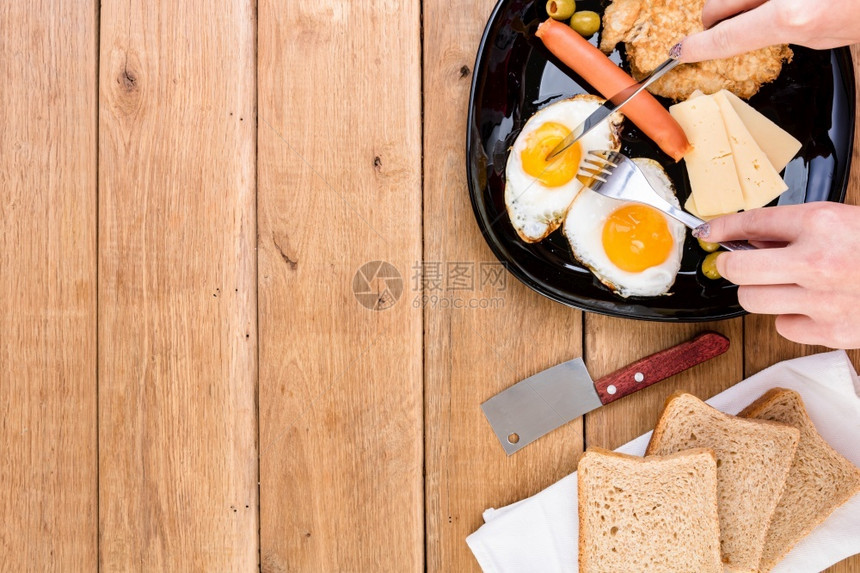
(187, 380)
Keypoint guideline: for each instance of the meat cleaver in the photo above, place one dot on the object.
(543, 402)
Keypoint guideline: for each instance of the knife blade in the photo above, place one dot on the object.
(612, 105)
(543, 402)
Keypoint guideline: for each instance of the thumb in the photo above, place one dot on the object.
(738, 35)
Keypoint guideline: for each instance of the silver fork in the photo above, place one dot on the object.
(609, 173)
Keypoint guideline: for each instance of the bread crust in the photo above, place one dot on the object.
(755, 409)
(580, 513)
(594, 451)
(660, 432)
(661, 423)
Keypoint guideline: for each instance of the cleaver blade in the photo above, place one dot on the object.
(551, 398)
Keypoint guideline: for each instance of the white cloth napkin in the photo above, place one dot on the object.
(541, 533)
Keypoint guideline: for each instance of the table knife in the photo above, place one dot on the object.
(613, 104)
(543, 402)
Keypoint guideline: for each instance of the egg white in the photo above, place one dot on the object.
(583, 228)
(535, 209)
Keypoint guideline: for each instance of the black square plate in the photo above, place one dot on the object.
(515, 76)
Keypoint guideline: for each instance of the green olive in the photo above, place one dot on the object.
(708, 247)
(560, 9)
(585, 22)
(709, 266)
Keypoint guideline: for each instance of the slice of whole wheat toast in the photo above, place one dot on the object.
(753, 461)
(819, 481)
(656, 514)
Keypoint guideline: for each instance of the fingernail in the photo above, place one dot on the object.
(675, 51)
(703, 231)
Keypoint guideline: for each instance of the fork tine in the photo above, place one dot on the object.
(601, 166)
(597, 156)
(598, 177)
(587, 181)
(615, 157)
(610, 157)
(593, 172)
(590, 182)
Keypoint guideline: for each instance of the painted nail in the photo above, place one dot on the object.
(703, 231)
(675, 51)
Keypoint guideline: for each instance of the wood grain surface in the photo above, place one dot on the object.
(205, 364)
(340, 384)
(177, 287)
(48, 453)
(470, 354)
(611, 343)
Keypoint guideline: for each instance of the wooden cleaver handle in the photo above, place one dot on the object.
(660, 365)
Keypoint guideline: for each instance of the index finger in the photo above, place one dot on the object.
(716, 10)
(738, 35)
(777, 224)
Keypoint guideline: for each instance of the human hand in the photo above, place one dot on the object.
(747, 25)
(806, 270)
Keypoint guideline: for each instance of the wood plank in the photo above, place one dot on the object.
(766, 347)
(340, 385)
(473, 353)
(177, 288)
(850, 565)
(48, 476)
(611, 343)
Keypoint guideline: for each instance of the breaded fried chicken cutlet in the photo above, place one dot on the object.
(649, 28)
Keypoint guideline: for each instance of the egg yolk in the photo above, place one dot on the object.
(637, 237)
(540, 143)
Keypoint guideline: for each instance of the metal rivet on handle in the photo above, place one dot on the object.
(639, 377)
(611, 389)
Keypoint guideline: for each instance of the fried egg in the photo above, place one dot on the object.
(632, 248)
(538, 193)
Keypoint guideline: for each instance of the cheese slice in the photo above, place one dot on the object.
(759, 181)
(710, 166)
(779, 146)
(690, 207)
